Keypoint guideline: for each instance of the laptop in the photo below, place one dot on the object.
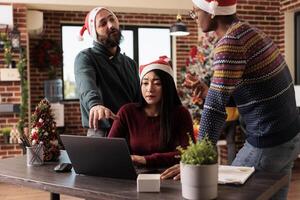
(102, 156)
(99, 156)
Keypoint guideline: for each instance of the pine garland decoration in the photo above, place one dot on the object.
(24, 97)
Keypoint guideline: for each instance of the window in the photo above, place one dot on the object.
(71, 47)
(142, 44)
(297, 48)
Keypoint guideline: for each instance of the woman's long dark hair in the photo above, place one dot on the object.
(169, 100)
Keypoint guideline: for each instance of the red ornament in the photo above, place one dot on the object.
(193, 51)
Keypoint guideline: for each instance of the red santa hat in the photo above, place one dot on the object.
(162, 63)
(217, 7)
(90, 23)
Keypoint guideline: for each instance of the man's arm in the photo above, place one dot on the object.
(229, 64)
(89, 93)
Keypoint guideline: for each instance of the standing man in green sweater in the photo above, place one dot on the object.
(105, 78)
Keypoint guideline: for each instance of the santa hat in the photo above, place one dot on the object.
(90, 23)
(217, 7)
(162, 63)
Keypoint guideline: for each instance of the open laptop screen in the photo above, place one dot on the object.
(106, 157)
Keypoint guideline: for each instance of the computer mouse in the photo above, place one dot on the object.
(63, 167)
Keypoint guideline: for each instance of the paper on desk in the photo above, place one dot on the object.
(234, 174)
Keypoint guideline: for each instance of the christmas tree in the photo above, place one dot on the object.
(43, 129)
(198, 66)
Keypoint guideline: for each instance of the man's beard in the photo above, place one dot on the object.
(113, 39)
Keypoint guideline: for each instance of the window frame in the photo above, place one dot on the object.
(134, 28)
(297, 47)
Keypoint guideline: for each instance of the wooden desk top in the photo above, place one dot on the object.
(14, 170)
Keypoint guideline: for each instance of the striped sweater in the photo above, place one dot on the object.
(249, 67)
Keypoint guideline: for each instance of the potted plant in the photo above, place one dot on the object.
(6, 134)
(199, 170)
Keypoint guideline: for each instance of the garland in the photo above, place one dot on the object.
(21, 65)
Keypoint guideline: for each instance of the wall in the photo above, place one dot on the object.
(287, 11)
(10, 150)
(286, 6)
(263, 14)
(128, 6)
(10, 90)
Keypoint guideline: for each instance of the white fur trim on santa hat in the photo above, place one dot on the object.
(92, 22)
(213, 7)
(150, 67)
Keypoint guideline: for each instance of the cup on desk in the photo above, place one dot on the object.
(35, 155)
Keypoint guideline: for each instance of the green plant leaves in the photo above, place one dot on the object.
(200, 153)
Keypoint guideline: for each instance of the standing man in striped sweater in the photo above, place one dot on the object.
(249, 67)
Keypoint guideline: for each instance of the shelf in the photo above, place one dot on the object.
(9, 74)
(9, 108)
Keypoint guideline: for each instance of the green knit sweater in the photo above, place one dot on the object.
(103, 79)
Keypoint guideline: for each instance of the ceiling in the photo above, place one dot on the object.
(135, 6)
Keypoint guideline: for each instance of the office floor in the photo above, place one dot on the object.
(11, 192)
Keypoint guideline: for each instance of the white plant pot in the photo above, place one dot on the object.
(199, 181)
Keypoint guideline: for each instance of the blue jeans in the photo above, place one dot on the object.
(275, 159)
(229, 130)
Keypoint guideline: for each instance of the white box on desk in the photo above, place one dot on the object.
(148, 183)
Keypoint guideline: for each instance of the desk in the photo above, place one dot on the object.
(14, 170)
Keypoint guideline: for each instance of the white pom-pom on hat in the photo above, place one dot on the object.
(213, 6)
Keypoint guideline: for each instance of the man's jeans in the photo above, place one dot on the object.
(275, 159)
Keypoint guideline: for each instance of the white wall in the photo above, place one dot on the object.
(289, 39)
(139, 6)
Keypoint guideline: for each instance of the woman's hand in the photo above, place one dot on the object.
(138, 160)
(172, 172)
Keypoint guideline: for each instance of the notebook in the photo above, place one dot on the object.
(234, 174)
(106, 157)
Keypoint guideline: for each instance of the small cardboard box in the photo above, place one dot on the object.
(148, 183)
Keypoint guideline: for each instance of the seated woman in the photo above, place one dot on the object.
(159, 123)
